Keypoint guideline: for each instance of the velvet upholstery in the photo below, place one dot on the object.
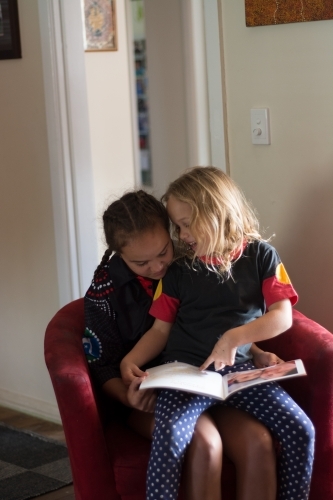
(109, 460)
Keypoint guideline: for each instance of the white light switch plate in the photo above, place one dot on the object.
(260, 132)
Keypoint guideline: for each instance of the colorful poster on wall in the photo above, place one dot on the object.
(266, 12)
(100, 25)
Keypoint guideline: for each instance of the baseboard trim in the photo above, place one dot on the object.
(31, 406)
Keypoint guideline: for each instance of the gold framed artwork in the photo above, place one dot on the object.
(267, 12)
(100, 26)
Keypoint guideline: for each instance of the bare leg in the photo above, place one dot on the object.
(203, 460)
(249, 445)
(142, 423)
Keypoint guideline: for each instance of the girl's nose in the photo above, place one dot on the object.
(159, 266)
(183, 233)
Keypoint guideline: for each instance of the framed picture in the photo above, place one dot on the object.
(266, 12)
(100, 27)
(10, 42)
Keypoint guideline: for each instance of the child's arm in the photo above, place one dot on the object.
(277, 320)
(262, 359)
(149, 346)
(130, 395)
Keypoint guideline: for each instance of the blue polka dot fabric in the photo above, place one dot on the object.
(176, 415)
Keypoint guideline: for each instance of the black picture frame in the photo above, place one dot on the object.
(10, 41)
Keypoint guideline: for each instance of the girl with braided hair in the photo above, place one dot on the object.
(139, 252)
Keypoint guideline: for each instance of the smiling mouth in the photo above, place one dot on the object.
(191, 245)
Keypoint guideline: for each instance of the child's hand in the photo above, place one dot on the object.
(223, 354)
(141, 400)
(129, 371)
(263, 359)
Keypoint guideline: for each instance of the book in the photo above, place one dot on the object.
(188, 378)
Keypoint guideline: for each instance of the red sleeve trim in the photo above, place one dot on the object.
(274, 291)
(165, 308)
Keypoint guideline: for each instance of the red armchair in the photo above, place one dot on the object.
(109, 460)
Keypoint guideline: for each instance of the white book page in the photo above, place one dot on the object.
(183, 376)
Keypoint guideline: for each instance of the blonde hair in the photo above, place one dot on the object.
(220, 214)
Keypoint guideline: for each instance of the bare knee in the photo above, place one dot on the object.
(208, 444)
(206, 441)
(244, 438)
(260, 445)
(203, 461)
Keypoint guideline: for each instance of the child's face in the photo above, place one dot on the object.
(150, 253)
(180, 214)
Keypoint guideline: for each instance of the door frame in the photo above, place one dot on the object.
(69, 145)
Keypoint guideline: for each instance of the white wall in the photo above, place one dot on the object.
(29, 288)
(109, 89)
(186, 117)
(166, 91)
(289, 69)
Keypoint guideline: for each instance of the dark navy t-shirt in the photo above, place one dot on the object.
(202, 305)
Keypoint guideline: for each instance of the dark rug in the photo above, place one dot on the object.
(30, 465)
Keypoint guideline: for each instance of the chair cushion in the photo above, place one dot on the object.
(129, 456)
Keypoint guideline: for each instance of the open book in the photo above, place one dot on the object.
(188, 378)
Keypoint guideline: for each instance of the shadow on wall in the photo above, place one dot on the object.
(310, 250)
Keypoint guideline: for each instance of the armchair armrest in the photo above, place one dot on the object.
(90, 462)
(312, 343)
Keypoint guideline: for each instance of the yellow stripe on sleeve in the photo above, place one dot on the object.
(281, 275)
(158, 291)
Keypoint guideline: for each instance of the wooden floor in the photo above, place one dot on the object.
(47, 429)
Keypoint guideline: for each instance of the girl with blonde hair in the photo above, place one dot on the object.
(229, 290)
(220, 214)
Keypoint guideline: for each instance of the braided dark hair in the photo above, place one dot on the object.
(130, 215)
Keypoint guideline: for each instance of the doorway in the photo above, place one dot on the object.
(179, 96)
